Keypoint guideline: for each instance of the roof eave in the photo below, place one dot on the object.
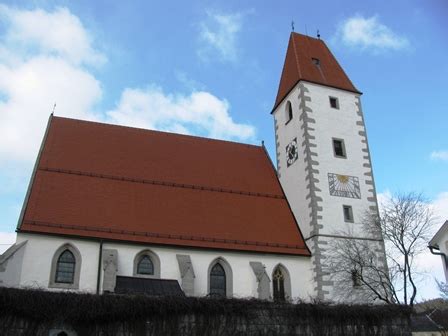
(312, 82)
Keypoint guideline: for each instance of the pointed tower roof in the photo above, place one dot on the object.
(310, 59)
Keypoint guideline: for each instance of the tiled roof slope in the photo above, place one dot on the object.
(299, 66)
(122, 183)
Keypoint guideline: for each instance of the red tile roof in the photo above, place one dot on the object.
(299, 66)
(113, 182)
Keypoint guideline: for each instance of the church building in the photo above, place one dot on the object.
(113, 209)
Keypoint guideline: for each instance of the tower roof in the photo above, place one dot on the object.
(112, 182)
(310, 59)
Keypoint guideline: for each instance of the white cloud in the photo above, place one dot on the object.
(200, 113)
(43, 58)
(40, 64)
(439, 155)
(57, 33)
(369, 33)
(218, 35)
(32, 88)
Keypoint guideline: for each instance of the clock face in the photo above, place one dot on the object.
(344, 185)
(291, 152)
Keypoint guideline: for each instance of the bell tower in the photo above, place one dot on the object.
(323, 158)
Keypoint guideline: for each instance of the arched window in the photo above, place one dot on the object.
(218, 281)
(220, 278)
(281, 283)
(145, 266)
(278, 282)
(65, 268)
(288, 111)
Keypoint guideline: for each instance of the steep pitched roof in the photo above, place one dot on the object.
(122, 183)
(300, 64)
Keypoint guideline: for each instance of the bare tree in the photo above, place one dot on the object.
(358, 266)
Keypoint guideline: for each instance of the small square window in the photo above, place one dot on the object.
(356, 278)
(334, 103)
(348, 213)
(339, 148)
(316, 61)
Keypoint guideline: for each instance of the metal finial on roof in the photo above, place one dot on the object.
(292, 25)
(54, 108)
(318, 34)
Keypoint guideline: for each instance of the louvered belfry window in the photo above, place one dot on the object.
(218, 281)
(145, 266)
(65, 269)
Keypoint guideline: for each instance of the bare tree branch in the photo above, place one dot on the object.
(405, 223)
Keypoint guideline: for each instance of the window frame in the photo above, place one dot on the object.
(356, 278)
(54, 265)
(336, 100)
(316, 61)
(288, 112)
(229, 275)
(344, 151)
(59, 271)
(139, 265)
(155, 263)
(350, 210)
(286, 282)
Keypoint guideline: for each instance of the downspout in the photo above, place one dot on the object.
(100, 257)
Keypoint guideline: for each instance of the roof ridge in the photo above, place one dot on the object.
(160, 183)
(295, 56)
(140, 129)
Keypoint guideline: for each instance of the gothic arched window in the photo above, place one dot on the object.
(218, 281)
(278, 281)
(65, 268)
(145, 266)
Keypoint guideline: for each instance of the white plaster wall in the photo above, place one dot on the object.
(443, 246)
(344, 123)
(330, 123)
(293, 178)
(244, 281)
(40, 250)
(339, 123)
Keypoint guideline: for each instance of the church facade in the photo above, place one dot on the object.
(119, 209)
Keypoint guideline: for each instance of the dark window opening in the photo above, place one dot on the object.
(334, 102)
(316, 61)
(288, 112)
(356, 278)
(348, 213)
(339, 148)
(279, 285)
(218, 281)
(65, 268)
(145, 266)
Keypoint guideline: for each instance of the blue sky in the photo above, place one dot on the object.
(212, 69)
